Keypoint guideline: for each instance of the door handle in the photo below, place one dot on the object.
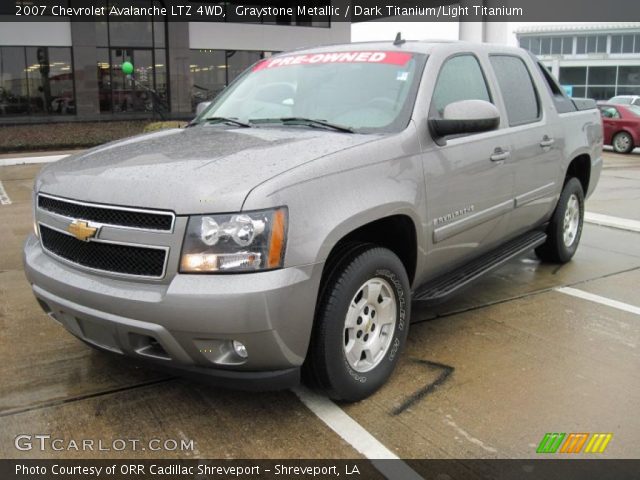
(499, 155)
(546, 141)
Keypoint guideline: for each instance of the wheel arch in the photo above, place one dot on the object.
(580, 168)
(397, 232)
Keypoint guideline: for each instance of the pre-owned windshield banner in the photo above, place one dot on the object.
(390, 58)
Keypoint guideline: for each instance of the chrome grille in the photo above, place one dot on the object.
(107, 214)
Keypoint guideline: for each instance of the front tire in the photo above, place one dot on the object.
(565, 228)
(622, 143)
(362, 322)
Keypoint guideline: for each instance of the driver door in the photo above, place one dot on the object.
(469, 179)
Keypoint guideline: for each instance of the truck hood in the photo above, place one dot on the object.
(202, 169)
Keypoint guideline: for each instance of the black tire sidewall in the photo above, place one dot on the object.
(344, 383)
(627, 150)
(572, 187)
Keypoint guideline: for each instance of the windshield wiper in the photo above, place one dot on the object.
(227, 120)
(303, 121)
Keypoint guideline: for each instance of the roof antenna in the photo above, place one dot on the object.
(399, 40)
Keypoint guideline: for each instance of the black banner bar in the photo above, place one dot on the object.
(179, 469)
(285, 12)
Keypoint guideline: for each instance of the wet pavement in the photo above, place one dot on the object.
(485, 375)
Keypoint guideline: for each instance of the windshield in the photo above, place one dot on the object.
(361, 91)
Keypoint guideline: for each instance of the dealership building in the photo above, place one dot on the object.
(597, 61)
(63, 70)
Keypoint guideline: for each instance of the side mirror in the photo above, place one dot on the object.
(465, 116)
(201, 107)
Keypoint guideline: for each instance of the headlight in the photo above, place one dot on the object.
(239, 242)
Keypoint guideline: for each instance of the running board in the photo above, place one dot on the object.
(442, 287)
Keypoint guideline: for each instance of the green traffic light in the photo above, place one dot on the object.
(127, 68)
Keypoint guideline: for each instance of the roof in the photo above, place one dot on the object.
(578, 28)
(412, 46)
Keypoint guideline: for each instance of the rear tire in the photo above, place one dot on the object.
(361, 325)
(565, 229)
(622, 142)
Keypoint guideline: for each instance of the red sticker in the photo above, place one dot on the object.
(389, 58)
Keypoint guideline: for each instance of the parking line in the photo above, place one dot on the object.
(355, 435)
(6, 162)
(4, 197)
(574, 292)
(613, 222)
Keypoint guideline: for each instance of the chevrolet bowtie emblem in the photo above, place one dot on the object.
(81, 230)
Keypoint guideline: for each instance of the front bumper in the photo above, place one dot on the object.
(189, 323)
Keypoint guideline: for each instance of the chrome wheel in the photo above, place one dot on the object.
(571, 220)
(622, 142)
(369, 325)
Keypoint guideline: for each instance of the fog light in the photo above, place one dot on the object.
(240, 349)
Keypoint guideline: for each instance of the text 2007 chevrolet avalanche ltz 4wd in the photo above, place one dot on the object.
(290, 226)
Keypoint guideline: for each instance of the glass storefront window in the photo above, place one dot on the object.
(629, 90)
(50, 80)
(601, 93)
(627, 44)
(162, 79)
(208, 74)
(629, 76)
(573, 75)
(141, 41)
(567, 45)
(13, 82)
(579, 92)
(616, 44)
(602, 75)
(36, 80)
(132, 95)
(238, 61)
(104, 79)
(535, 46)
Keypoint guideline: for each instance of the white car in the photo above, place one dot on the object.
(625, 99)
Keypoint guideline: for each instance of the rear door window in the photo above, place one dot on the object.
(518, 92)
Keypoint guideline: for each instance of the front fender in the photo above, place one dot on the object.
(333, 196)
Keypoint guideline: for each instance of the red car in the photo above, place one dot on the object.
(621, 126)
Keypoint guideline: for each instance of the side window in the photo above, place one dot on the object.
(609, 112)
(460, 78)
(516, 86)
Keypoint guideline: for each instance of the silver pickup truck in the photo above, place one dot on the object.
(288, 229)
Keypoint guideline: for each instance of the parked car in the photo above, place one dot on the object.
(286, 233)
(625, 100)
(621, 124)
